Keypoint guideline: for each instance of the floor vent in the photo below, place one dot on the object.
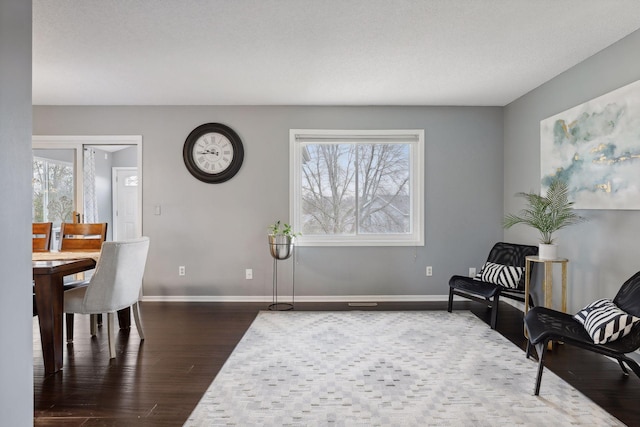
(363, 304)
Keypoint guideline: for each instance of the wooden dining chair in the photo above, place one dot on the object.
(41, 232)
(41, 242)
(82, 237)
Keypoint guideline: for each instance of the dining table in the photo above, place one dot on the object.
(49, 271)
(48, 277)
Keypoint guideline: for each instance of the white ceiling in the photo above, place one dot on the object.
(313, 52)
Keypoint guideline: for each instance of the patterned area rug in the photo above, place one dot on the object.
(366, 368)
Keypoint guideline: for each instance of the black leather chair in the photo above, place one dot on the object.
(545, 324)
(510, 254)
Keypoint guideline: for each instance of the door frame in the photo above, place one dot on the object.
(77, 142)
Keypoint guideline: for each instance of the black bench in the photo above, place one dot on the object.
(511, 254)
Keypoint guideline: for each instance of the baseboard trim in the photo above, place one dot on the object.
(517, 304)
(287, 298)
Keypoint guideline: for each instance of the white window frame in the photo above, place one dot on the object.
(414, 137)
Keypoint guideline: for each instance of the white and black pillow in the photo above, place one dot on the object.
(605, 322)
(582, 314)
(507, 276)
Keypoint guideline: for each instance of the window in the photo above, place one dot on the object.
(53, 189)
(357, 187)
(131, 181)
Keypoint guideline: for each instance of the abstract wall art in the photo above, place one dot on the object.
(595, 149)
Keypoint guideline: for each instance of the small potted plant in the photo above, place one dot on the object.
(547, 214)
(281, 240)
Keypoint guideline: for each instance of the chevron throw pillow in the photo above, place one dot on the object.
(605, 322)
(503, 275)
(581, 316)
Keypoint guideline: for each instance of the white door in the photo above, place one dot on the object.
(125, 203)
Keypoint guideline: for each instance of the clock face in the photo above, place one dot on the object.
(213, 153)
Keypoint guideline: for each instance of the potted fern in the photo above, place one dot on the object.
(281, 240)
(547, 214)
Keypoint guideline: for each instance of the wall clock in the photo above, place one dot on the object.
(213, 153)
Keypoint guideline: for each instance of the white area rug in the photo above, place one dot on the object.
(366, 368)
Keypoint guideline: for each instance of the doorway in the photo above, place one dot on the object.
(83, 167)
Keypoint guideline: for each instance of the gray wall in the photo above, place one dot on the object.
(126, 157)
(602, 252)
(217, 231)
(16, 357)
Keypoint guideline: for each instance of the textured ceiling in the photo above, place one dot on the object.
(313, 52)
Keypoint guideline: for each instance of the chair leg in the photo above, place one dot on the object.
(138, 318)
(450, 306)
(529, 346)
(112, 340)
(624, 369)
(540, 348)
(69, 324)
(494, 311)
(633, 365)
(93, 324)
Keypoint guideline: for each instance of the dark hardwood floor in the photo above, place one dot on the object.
(158, 382)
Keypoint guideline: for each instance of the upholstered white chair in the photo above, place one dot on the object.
(115, 285)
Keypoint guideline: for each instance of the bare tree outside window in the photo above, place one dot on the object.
(328, 189)
(356, 188)
(52, 191)
(383, 196)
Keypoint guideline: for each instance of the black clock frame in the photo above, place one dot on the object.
(236, 162)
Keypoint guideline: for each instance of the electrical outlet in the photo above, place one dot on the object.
(248, 273)
(472, 272)
(181, 271)
(429, 271)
